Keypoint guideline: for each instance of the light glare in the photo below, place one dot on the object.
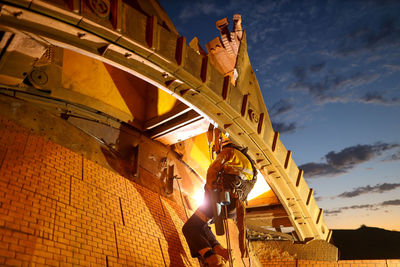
(198, 197)
(260, 187)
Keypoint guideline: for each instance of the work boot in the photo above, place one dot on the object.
(220, 250)
(215, 260)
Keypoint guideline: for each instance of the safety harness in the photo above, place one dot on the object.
(241, 186)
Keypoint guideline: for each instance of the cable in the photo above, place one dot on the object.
(228, 239)
(183, 204)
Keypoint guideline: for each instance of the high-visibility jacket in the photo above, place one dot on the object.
(230, 161)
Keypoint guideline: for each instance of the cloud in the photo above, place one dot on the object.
(318, 199)
(333, 212)
(395, 202)
(330, 87)
(378, 98)
(313, 169)
(366, 38)
(282, 127)
(350, 156)
(317, 67)
(199, 8)
(302, 72)
(392, 67)
(353, 207)
(393, 157)
(281, 107)
(346, 159)
(379, 188)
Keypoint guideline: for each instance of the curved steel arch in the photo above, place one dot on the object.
(162, 58)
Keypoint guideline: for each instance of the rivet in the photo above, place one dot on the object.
(17, 14)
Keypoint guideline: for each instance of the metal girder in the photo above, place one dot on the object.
(159, 56)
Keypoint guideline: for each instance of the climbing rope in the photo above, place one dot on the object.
(228, 239)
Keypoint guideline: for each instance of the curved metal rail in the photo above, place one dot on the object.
(148, 50)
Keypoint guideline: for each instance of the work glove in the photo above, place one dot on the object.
(222, 252)
(215, 260)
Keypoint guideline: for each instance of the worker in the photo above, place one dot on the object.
(238, 174)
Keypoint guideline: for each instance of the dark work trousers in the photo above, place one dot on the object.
(197, 232)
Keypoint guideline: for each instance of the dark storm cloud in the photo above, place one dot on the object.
(282, 127)
(344, 160)
(379, 188)
(333, 212)
(366, 38)
(281, 107)
(379, 98)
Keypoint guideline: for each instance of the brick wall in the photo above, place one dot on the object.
(340, 263)
(317, 250)
(59, 209)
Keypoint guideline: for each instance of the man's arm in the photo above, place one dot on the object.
(216, 166)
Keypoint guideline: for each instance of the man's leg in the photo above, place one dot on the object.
(200, 238)
(197, 237)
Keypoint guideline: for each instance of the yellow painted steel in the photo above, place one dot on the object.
(165, 61)
(165, 102)
(195, 154)
(90, 77)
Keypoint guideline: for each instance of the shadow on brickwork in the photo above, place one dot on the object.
(122, 158)
(163, 218)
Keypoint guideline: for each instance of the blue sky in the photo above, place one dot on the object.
(329, 72)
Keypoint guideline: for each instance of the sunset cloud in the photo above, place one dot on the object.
(384, 204)
(353, 207)
(395, 202)
(379, 188)
(344, 160)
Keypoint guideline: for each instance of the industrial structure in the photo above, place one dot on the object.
(104, 110)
